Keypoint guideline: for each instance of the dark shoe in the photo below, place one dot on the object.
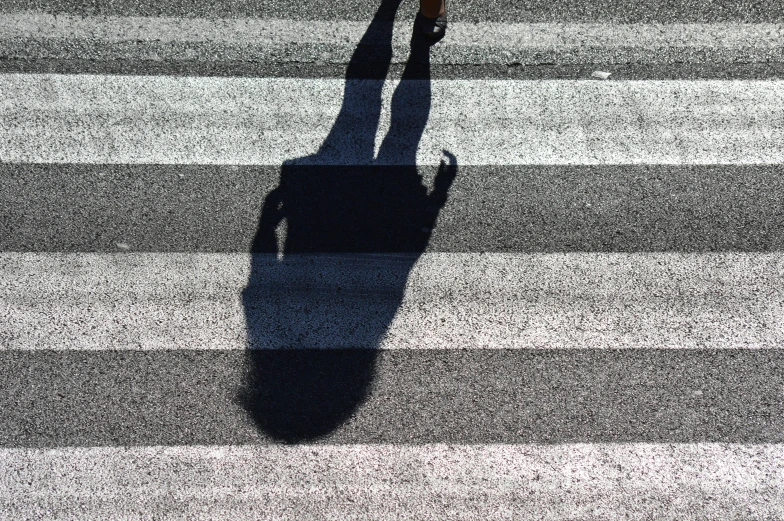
(432, 28)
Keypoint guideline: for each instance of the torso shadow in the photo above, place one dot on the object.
(317, 313)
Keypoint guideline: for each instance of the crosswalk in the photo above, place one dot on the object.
(270, 260)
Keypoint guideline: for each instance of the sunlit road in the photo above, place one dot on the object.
(284, 261)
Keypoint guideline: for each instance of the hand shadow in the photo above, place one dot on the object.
(319, 301)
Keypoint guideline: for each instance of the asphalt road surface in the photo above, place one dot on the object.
(284, 260)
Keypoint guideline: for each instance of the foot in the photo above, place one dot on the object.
(432, 18)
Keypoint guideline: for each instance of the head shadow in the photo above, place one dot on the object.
(335, 243)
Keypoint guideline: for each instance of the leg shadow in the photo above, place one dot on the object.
(336, 241)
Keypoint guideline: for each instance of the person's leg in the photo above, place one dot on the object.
(432, 18)
(432, 8)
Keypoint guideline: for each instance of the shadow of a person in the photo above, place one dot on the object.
(319, 302)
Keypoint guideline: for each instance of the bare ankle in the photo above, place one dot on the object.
(432, 8)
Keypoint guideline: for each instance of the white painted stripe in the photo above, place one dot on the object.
(449, 301)
(166, 120)
(281, 32)
(574, 481)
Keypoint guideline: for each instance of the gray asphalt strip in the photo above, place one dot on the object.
(545, 69)
(36, 36)
(128, 398)
(527, 209)
(434, 481)
(497, 10)
(457, 53)
(280, 32)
